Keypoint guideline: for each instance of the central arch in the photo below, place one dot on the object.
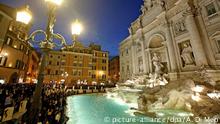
(156, 44)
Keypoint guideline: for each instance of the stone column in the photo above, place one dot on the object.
(143, 56)
(150, 61)
(205, 39)
(147, 61)
(198, 50)
(133, 52)
(171, 51)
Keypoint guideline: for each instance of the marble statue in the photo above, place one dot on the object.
(187, 55)
(141, 67)
(148, 4)
(157, 64)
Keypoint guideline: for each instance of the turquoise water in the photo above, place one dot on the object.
(97, 109)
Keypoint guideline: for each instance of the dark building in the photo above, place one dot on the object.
(114, 67)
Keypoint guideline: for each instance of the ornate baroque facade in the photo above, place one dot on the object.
(185, 34)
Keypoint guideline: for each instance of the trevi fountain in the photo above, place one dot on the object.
(153, 95)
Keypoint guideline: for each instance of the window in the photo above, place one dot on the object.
(58, 57)
(93, 67)
(103, 76)
(93, 60)
(103, 61)
(211, 9)
(19, 64)
(90, 73)
(21, 47)
(9, 41)
(3, 61)
(96, 54)
(63, 62)
(80, 65)
(58, 63)
(57, 72)
(93, 76)
(127, 51)
(48, 71)
(61, 71)
(75, 57)
(50, 62)
(51, 56)
(80, 73)
(104, 68)
(104, 55)
(75, 72)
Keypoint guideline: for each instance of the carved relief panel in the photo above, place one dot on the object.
(180, 27)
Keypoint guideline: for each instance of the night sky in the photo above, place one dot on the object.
(105, 22)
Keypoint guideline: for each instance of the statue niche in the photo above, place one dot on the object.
(140, 63)
(186, 54)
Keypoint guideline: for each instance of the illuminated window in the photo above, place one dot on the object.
(9, 41)
(75, 72)
(63, 62)
(211, 9)
(80, 73)
(3, 61)
(21, 47)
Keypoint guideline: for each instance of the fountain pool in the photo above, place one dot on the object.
(98, 109)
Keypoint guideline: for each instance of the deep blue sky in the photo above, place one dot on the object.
(105, 22)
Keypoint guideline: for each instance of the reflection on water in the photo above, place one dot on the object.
(97, 109)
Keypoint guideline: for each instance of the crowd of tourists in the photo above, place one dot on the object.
(53, 102)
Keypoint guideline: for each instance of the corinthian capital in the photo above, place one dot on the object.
(188, 12)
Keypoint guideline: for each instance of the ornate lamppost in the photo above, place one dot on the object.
(65, 76)
(46, 45)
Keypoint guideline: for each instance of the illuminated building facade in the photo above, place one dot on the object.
(77, 63)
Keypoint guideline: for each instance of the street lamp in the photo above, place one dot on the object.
(46, 45)
(76, 29)
(57, 2)
(65, 75)
(24, 15)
